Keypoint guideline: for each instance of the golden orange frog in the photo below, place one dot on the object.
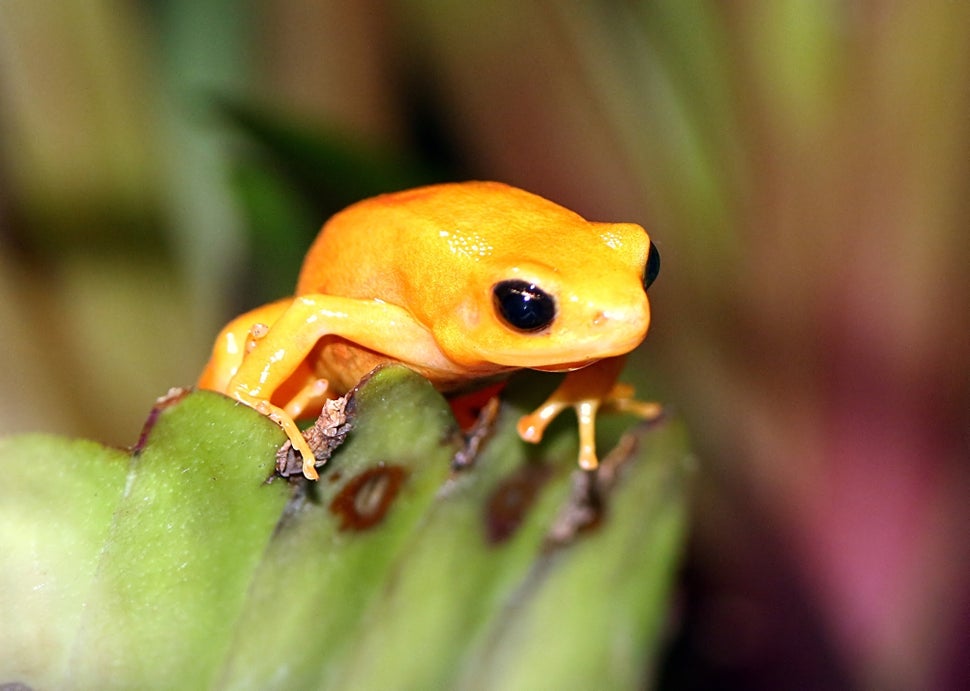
(461, 282)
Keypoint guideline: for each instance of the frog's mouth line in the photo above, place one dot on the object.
(567, 366)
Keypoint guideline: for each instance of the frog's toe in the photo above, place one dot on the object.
(531, 427)
(309, 471)
(588, 459)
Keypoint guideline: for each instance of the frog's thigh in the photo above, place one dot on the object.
(230, 346)
(378, 326)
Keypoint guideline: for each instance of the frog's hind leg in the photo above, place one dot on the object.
(236, 340)
(277, 357)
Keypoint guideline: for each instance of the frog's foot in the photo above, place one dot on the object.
(289, 427)
(621, 399)
(326, 434)
(531, 427)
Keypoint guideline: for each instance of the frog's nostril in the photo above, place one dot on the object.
(615, 318)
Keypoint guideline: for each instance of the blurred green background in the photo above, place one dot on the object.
(803, 167)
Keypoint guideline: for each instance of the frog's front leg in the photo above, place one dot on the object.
(586, 390)
(284, 347)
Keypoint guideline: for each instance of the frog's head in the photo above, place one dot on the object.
(546, 289)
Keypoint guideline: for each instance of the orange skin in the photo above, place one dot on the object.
(409, 277)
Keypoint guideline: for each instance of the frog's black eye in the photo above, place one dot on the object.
(523, 306)
(653, 266)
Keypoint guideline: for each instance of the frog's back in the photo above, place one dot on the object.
(376, 248)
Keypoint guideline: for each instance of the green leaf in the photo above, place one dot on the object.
(329, 168)
(180, 567)
(290, 177)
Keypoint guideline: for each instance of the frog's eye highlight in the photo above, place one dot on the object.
(653, 266)
(523, 305)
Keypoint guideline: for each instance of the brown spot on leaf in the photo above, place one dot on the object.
(511, 500)
(365, 500)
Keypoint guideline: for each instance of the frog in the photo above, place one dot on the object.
(463, 282)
